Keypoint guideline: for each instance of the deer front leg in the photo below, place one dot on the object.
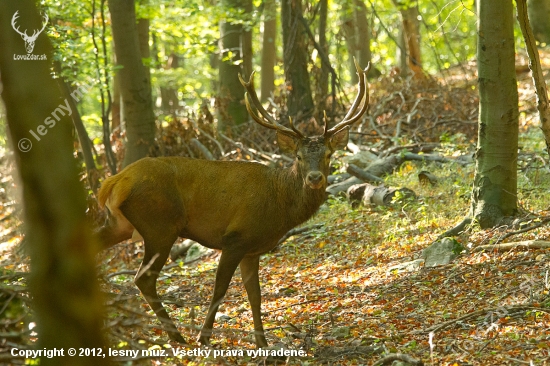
(249, 273)
(229, 261)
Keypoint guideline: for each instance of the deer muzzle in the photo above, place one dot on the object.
(315, 180)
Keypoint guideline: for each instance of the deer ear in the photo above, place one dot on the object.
(286, 143)
(339, 140)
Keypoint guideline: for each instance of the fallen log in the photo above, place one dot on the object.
(368, 194)
(521, 245)
(364, 175)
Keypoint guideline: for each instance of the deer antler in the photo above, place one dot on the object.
(15, 28)
(352, 117)
(24, 34)
(37, 32)
(265, 119)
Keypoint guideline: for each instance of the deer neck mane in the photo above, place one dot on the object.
(300, 201)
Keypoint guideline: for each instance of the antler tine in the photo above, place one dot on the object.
(350, 118)
(46, 18)
(300, 135)
(14, 26)
(264, 118)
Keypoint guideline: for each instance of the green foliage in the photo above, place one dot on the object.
(189, 29)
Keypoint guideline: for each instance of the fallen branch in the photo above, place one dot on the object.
(524, 230)
(482, 312)
(362, 174)
(203, 149)
(429, 157)
(523, 245)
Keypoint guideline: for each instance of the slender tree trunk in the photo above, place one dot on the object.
(247, 41)
(411, 33)
(322, 84)
(168, 94)
(350, 37)
(143, 39)
(135, 84)
(86, 147)
(401, 55)
(539, 15)
(543, 103)
(66, 299)
(269, 49)
(364, 55)
(233, 45)
(116, 108)
(494, 193)
(83, 138)
(357, 36)
(295, 58)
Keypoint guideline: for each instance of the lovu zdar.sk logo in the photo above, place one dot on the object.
(29, 40)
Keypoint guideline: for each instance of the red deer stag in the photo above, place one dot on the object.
(240, 208)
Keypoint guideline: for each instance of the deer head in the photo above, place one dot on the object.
(312, 154)
(29, 40)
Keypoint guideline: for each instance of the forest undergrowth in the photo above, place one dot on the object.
(343, 290)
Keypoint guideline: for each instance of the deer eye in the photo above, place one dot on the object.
(299, 157)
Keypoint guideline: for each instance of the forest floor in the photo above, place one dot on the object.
(338, 291)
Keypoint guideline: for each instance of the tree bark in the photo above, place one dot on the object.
(539, 14)
(269, 49)
(322, 84)
(357, 37)
(233, 45)
(364, 55)
(295, 58)
(494, 194)
(543, 104)
(92, 174)
(411, 33)
(168, 94)
(66, 299)
(135, 84)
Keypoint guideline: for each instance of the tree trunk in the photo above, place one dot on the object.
(169, 101)
(494, 193)
(66, 299)
(116, 107)
(295, 58)
(401, 54)
(357, 35)
(350, 37)
(269, 49)
(322, 84)
(411, 33)
(233, 44)
(135, 84)
(86, 146)
(364, 55)
(247, 40)
(539, 16)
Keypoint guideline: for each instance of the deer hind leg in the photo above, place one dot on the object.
(249, 273)
(229, 260)
(156, 252)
